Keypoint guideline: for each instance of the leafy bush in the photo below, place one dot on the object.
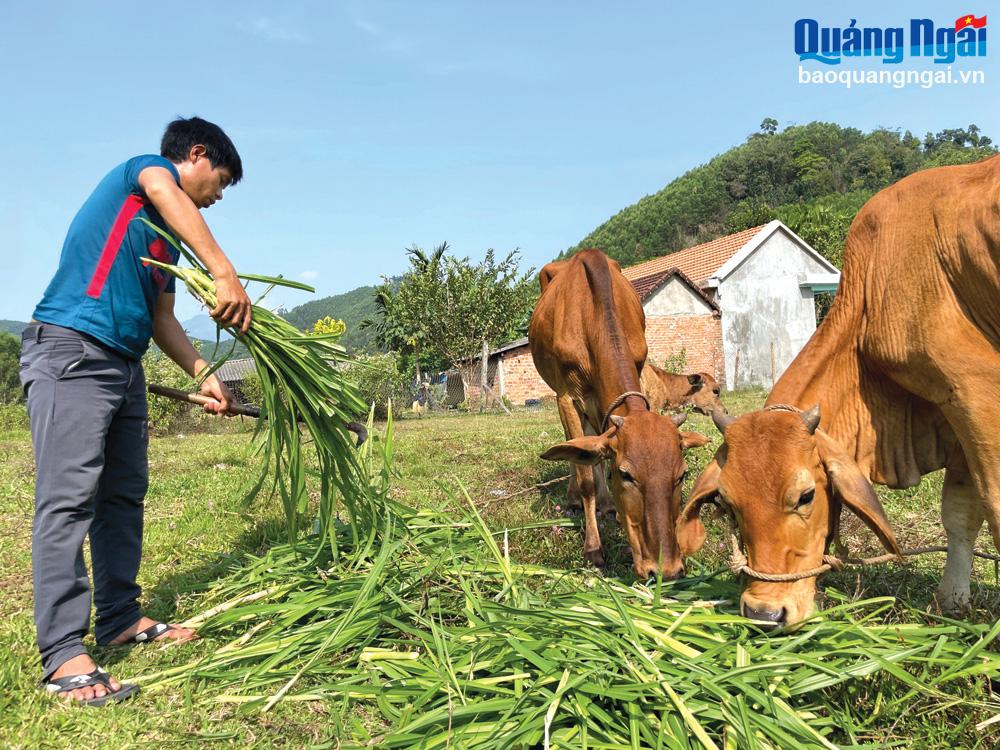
(251, 391)
(13, 417)
(165, 414)
(380, 379)
(675, 363)
(10, 355)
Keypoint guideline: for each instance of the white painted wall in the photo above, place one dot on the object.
(766, 316)
(675, 298)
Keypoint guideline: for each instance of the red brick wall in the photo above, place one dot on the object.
(700, 336)
(520, 379)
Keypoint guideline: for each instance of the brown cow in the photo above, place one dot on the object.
(904, 370)
(665, 390)
(587, 338)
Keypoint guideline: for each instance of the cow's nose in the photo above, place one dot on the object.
(770, 616)
(649, 570)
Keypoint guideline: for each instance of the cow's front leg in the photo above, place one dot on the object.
(583, 478)
(604, 502)
(592, 550)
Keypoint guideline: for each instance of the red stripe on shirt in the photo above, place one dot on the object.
(158, 250)
(113, 244)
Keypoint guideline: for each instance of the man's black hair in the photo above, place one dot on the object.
(184, 133)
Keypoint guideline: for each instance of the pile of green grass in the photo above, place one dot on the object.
(419, 621)
(431, 636)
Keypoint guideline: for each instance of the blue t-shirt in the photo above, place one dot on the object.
(101, 287)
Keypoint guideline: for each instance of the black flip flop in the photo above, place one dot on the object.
(151, 633)
(97, 677)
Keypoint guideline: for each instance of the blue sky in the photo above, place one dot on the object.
(366, 127)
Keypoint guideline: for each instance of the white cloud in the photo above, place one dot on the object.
(308, 275)
(272, 30)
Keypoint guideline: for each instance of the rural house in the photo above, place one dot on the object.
(679, 316)
(740, 307)
(763, 281)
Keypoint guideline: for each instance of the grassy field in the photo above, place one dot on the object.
(197, 529)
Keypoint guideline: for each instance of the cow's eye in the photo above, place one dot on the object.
(716, 391)
(805, 498)
(625, 476)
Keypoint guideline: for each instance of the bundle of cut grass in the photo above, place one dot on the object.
(448, 643)
(301, 388)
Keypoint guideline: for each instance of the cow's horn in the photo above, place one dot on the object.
(678, 419)
(722, 420)
(617, 420)
(811, 418)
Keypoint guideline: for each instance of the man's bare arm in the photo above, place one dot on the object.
(173, 341)
(182, 216)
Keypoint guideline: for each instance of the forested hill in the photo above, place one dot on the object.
(813, 177)
(352, 307)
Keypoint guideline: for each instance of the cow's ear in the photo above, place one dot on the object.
(693, 440)
(587, 450)
(854, 490)
(690, 529)
(695, 379)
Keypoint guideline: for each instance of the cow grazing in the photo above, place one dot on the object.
(903, 374)
(665, 390)
(587, 337)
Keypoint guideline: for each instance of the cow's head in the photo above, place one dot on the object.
(647, 469)
(783, 481)
(704, 394)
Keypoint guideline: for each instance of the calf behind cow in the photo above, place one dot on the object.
(665, 390)
(587, 338)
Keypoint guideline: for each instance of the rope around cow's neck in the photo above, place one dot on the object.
(618, 402)
(738, 562)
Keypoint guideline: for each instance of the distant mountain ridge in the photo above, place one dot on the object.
(203, 327)
(13, 326)
(351, 307)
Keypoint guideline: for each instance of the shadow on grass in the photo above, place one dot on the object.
(163, 598)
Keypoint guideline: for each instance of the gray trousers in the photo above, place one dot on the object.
(87, 409)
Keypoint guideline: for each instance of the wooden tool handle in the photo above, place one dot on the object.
(197, 398)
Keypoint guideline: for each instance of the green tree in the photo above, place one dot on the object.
(10, 355)
(446, 307)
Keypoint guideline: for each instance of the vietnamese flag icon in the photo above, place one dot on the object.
(970, 21)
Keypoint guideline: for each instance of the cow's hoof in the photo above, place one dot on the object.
(595, 557)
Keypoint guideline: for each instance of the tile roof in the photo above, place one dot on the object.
(646, 285)
(697, 263)
(235, 370)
